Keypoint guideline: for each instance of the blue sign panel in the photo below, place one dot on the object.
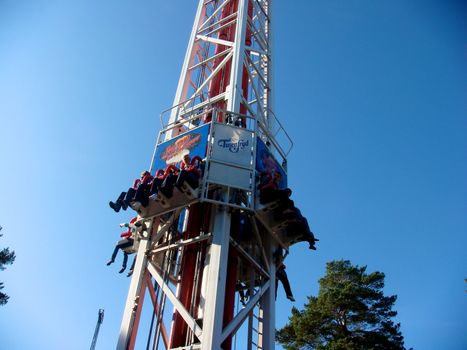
(266, 163)
(193, 142)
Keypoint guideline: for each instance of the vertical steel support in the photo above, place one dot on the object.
(129, 326)
(180, 94)
(235, 93)
(267, 313)
(269, 94)
(227, 66)
(217, 273)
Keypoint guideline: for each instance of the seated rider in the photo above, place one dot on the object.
(171, 175)
(157, 181)
(127, 241)
(269, 188)
(299, 228)
(142, 192)
(124, 199)
(190, 171)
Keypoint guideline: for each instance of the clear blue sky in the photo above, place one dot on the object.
(372, 92)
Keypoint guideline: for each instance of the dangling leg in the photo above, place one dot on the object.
(114, 255)
(128, 198)
(118, 203)
(132, 267)
(125, 260)
(282, 276)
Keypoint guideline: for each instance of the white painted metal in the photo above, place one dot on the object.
(193, 100)
(233, 101)
(267, 307)
(216, 277)
(198, 68)
(182, 84)
(136, 287)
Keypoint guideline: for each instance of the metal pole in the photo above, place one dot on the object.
(100, 319)
(216, 277)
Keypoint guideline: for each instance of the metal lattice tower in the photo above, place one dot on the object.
(205, 247)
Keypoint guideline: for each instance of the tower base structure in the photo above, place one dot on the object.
(209, 246)
(207, 256)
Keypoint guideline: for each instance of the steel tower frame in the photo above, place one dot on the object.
(226, 79)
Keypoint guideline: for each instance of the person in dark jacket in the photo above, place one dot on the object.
(125, 198)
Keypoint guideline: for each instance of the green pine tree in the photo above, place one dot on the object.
(6, 258)
(350, 313)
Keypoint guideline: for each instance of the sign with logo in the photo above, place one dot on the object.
(193, 142)
(232, 145)
(266, 163)
(232, 157)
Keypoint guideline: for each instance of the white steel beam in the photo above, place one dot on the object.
(181, 92)
(233, 101)
(136, 288)
(216, 275)
(267, 305)
(242, 315)
(214, 40)
(190, 321)
(214, 72)
(212, 16)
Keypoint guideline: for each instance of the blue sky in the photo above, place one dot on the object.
(373, 94)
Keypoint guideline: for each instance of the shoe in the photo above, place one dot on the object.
(110, 262)
(129, 273)
(122, 269)
(153, 197)
(114, 206)
(290, 297)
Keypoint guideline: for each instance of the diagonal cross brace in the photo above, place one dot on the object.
(242, 315)
(190, 321)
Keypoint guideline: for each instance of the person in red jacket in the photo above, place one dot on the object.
(171, 175)
(190, 171)
(142, 192)
(157, 181)
(127, 241)
(124, 199)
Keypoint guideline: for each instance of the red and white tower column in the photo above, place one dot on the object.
(194, 275)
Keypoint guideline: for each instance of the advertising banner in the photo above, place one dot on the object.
(193, 142)
(232, 145)
(232, 157)
(266, 163)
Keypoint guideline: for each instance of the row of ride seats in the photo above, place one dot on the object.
(170, 187)
(278, 211)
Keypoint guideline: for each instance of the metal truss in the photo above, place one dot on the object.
(226, 77)
(229, 51)
(157, 275)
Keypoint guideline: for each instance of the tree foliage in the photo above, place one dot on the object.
(6, 258)
(350, 312)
